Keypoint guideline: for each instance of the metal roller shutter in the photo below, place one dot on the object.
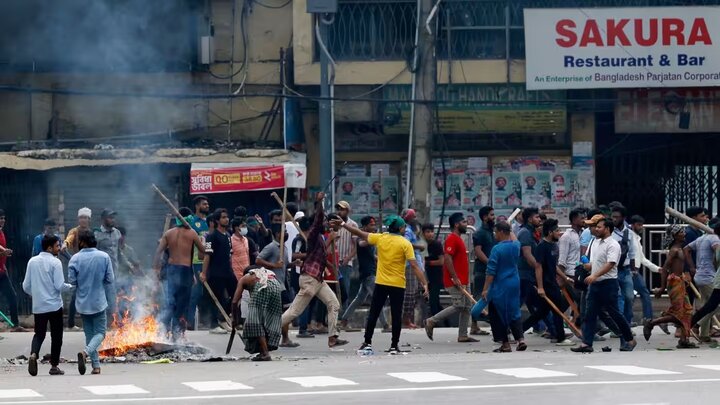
(126, 190)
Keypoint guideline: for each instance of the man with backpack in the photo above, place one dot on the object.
(625, 237)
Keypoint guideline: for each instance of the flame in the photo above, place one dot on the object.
(130, 332)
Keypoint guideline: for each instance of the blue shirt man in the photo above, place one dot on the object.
(90, 270)
(48, 229)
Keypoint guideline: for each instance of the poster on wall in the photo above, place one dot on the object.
(536, 189)
(464, 187)
(552, 185)
(507, 191)
(365, 193)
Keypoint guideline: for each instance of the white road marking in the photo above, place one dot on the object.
(633, 370)
(352, 392)
(21, 393)
(319, 381)
(650, 403)
(529, 372)
(121, 389)
(714, 367)
(226, 385)
(426, 377)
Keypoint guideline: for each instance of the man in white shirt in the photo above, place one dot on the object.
(603, 287)
(347, 249)
(569, 244)
(636, 223)
(44, 282)
(625, 237)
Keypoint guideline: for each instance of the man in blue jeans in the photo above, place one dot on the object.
(602, 294)
(91, 271)
(367, 265)
(626, 238)
(177, 277)
(636, 223)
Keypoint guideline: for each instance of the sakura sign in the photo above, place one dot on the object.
(622, 47)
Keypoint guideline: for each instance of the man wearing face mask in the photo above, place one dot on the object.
(243, 248)
(456, 279)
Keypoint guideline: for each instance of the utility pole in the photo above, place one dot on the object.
(325, 113)
(423, 117)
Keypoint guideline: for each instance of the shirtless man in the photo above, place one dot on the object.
(680, 311)
(177, 276)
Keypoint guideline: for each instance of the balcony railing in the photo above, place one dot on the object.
(379, 30)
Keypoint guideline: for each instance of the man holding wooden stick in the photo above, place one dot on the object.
(546, 255)
(455, 279)
(217, 267)
(704, 248)
(177, 276)
(603, 286)
(312, 283)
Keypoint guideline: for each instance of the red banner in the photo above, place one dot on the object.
(231, 179)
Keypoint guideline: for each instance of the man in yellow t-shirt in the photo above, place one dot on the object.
(393, 251)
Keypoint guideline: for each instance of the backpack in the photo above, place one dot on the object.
(581, 273)
(624, 247)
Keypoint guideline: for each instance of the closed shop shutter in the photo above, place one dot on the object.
(126, 190)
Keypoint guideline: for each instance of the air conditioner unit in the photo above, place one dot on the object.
(206, 50)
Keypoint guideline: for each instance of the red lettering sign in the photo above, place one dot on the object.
(644, 32)
(232, 179)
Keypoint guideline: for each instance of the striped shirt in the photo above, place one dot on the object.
(346, 242)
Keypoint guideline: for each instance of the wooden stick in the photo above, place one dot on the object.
(287, 214)
(171, 206)
(567, 320)
(513, 215)
(573, 305)
(468, 295)
(679, 215)
(185, 223)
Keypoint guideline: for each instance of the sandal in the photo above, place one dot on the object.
(82, 358)
(290, 344)
(647, 330)
(261, 358)
(338, 342)
(502, 349)
(521, 347)
(686, 345)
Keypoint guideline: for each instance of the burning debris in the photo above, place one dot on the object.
(129, 335)
(154, 351)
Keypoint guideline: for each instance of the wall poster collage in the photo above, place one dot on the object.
(365, 189)
(554, 186)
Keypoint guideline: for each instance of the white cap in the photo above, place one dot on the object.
(299, 215)
(85, 212)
